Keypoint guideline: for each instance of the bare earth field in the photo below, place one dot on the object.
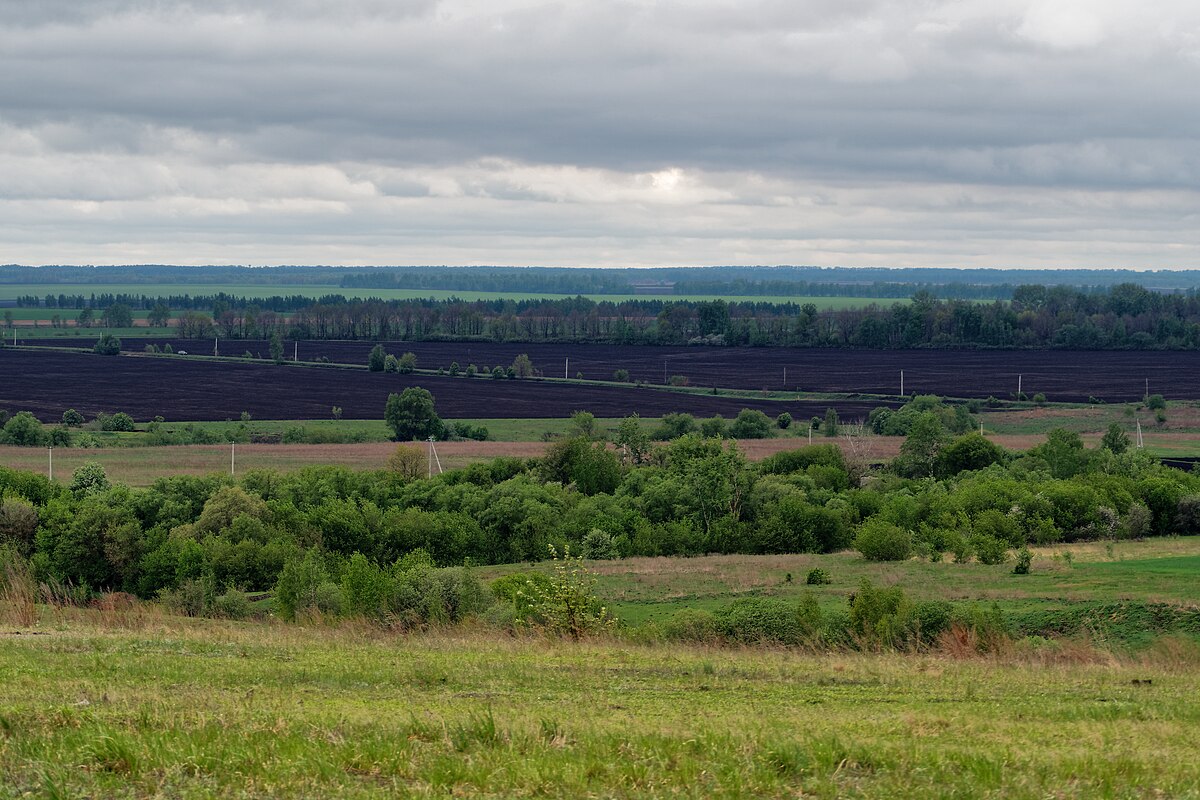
(48, 383)
(1062, 375)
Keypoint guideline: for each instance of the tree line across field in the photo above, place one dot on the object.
(317, 532)
(1126, 316)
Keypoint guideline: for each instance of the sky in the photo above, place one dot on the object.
(968, 133)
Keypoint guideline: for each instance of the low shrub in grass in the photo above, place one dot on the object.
(762, 620)
(817, 577)
(693, 625)
(191, 598)
(233, 604)
(885, 618)
(1024, 561)
(880, 540)
(989, 549)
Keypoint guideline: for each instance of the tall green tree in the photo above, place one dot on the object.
(377, 359)
(411, 415)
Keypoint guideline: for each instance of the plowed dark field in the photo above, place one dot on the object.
(1065, 376)
(47, 383)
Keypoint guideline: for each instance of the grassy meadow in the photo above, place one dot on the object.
(115, 704)
(1099, 588)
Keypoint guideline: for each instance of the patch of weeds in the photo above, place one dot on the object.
(479, 729)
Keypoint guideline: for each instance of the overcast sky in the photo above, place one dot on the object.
(607, 132)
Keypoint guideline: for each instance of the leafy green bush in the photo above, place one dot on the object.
(817, 577)
(233, 604)
(879, 616)
(693, 625)
(1024, 560)
(879, 540)
(989, 549)
(298, 585)
(191, 598)
(761, 620)
(569, 605)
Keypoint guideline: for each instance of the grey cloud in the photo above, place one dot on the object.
(315, 117)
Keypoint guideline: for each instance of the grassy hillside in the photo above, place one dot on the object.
(113, 705)
(1097, 587)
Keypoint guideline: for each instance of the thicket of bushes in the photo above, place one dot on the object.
(944, 496)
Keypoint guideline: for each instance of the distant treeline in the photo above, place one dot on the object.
(790, 281)
(1123, 317)
(1126, 316)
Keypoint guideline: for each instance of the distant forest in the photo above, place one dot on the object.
(784, 281)
(1121, 317)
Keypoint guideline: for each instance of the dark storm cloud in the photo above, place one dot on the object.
(859, 132)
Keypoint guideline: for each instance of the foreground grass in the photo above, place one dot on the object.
(179, 708)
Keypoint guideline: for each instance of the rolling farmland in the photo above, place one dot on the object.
(47, 383)
(1062, 375)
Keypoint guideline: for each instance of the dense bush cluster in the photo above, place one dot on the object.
(690, 496)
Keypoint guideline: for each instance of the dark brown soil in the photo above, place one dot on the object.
(47, 383)
(1062, 375)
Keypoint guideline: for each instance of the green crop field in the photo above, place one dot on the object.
(13, 291)
(114, 704)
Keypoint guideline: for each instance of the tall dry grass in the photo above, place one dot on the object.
(18, 593)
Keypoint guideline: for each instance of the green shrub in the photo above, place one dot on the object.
(299, 584)
(233, 604)
(1024, 560)
(927, 620)
(879, 616)
(569, 605)
(190, 598)
(817, 577)
(761, 620)
(692, 625)
(989, 549)
(879, 540)
(328, 599)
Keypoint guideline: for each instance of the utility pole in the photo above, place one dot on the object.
(1140, 444)
(785, 379)
(566, 368)
(232, 456)
(902, 383)
(296, 353)
(215, 352)
(1019, 386)
(51, 449)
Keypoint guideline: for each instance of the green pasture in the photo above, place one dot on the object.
(12, 291)
(1069, 577)
(134, 704)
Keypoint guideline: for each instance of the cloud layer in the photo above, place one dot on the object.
(642, 132)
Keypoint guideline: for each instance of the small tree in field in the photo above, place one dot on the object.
(1115, 439)
(411, 415)
(276, 348)
(72, 418)
(408, 462)
(108, 345)
(568, 604)
(784, 421)
(522, 366)
(831, 422)
(377, 359)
